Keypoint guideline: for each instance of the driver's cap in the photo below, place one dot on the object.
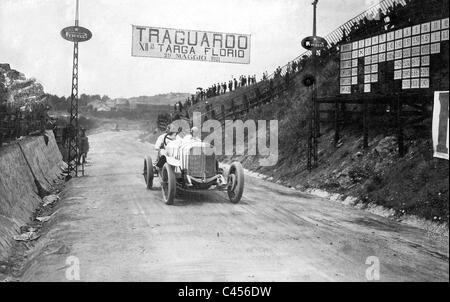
(171, 128)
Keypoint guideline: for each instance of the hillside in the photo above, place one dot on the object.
(416, 184)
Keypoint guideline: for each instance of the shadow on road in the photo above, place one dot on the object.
(198, 198)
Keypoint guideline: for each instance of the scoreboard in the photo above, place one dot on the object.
(404, 59)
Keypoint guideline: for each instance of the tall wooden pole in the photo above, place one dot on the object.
(316, 105)
(314, 112)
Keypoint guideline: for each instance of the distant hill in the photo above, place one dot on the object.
(160, 99)
(16, 88)
(104, 103)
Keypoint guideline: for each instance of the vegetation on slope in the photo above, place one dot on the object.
(415, 184)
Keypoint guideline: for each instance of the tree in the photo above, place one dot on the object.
(105, 98)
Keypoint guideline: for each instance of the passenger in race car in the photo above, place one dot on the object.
(193, 135)
(162, 141)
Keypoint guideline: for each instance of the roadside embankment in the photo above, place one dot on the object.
(28, 169)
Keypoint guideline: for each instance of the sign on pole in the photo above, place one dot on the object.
(440, 124)
(181, 44)
(314, 42)
(76, 34)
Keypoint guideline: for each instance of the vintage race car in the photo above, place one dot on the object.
(191, 166)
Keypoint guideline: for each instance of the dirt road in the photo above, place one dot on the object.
(119, 231)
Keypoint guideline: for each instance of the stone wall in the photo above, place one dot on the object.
(27, 168)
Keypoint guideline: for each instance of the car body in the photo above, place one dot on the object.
(191, 165)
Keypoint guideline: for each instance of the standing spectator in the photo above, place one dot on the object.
(230, 85)
(235, 84)
(287, 78)
(84, 147)
(277, 72)
(345, 38)
(294, 66)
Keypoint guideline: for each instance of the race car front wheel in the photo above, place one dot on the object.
(148, 172)
(168, 184)
(235, 182)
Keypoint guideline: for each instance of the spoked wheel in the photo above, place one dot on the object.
(148, 172)
(235, 182)
(168, 184)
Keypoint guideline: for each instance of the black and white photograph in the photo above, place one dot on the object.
(222, 147)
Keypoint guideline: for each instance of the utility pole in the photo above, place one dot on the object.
(315, 19)
(314, 123)
(72, 158)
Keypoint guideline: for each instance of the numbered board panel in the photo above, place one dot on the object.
(414, 57)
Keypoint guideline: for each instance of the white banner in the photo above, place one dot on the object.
(180, 44)
(440, 124)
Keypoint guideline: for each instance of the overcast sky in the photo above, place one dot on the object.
(30, 40)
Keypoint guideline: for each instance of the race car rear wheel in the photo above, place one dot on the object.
(148, 172)
(168, 184)
(235, 182)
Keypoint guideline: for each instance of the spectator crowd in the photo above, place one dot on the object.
(396, 14)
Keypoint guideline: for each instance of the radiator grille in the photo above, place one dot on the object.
(199, 163)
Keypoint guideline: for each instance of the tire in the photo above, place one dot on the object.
(235, 182)
(148, 172)
(168, 184)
